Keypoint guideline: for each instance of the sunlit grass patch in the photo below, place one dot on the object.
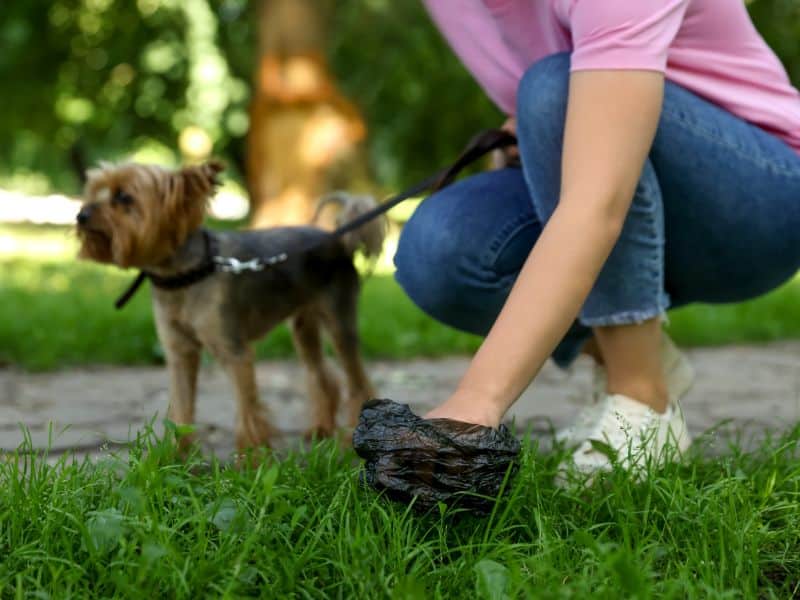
(56, 311)
(774, 316)
(146, 524)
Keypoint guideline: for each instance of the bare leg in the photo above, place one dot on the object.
(252, 425)
(632, 356)
(591, 348)
(323, 389)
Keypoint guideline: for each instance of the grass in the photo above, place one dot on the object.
(57, 312)
(147, 525)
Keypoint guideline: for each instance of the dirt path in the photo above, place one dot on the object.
(755, 387)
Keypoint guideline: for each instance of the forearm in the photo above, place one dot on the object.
(611, 121)
(553, 284)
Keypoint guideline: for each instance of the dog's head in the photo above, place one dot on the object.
(138, 215)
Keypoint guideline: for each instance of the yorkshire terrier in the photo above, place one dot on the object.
(150, 218)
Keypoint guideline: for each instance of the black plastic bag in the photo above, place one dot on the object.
(433, 460)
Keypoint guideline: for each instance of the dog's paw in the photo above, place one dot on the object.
(318, 432)
(254, 431)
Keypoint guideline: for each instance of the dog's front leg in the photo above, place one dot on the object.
(183, 364)
(252, 425)
(183, 359)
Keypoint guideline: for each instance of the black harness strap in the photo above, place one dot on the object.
(174, 282)
(187, 278)
(130, 291)
(479, 146)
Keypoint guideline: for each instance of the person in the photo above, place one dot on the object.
(659, 143)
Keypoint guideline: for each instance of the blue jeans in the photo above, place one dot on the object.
(715, 218)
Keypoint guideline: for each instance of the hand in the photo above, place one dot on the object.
(469, 407)
(506, 157)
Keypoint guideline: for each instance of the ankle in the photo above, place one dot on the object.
(650, 393)
(592, 349)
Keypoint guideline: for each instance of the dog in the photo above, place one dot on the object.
(150, 218)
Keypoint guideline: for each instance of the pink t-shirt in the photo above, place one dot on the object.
(710, 47)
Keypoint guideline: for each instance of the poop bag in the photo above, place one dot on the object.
(433, 460)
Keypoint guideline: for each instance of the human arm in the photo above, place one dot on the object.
(611, 120)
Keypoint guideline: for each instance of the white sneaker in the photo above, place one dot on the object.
(679, 375)
(631, 434)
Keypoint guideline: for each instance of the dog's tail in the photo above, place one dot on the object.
(369, 237)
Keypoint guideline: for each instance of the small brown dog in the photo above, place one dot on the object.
(150, 218)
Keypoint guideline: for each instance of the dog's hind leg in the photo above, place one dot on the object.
(340, 311)
(323, 388)
(253, 428)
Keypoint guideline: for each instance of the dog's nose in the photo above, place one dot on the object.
(84, 215)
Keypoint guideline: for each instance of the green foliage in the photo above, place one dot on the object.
(91, 79)
(146, 524)
(94, 79)
(779, 22)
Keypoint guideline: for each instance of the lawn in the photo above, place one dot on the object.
(148, 525)
(57, 312)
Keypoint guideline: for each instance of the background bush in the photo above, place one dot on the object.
(90, 79)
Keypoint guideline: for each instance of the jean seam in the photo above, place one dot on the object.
(759, 161)
(628, 317)
(503, 239)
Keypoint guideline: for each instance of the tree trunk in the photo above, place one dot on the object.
(304, 134)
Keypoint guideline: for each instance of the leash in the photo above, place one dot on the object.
(479, 146)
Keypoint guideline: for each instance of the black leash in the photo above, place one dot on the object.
(478, 147)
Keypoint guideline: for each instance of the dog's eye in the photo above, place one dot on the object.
(121, 198)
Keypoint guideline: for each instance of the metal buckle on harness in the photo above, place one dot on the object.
(229, 264)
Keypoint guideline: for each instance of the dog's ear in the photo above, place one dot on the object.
(93, 175)
(188, 194)
(200, 181)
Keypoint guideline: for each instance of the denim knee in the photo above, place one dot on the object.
(426, 252)
(543, 89)
(459, 254)
(541, 115)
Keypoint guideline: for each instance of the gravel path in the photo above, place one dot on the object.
(746, 388)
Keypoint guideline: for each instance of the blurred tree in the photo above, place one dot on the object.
(420, 103)
(304, 135)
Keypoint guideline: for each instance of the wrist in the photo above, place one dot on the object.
(474, 405)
